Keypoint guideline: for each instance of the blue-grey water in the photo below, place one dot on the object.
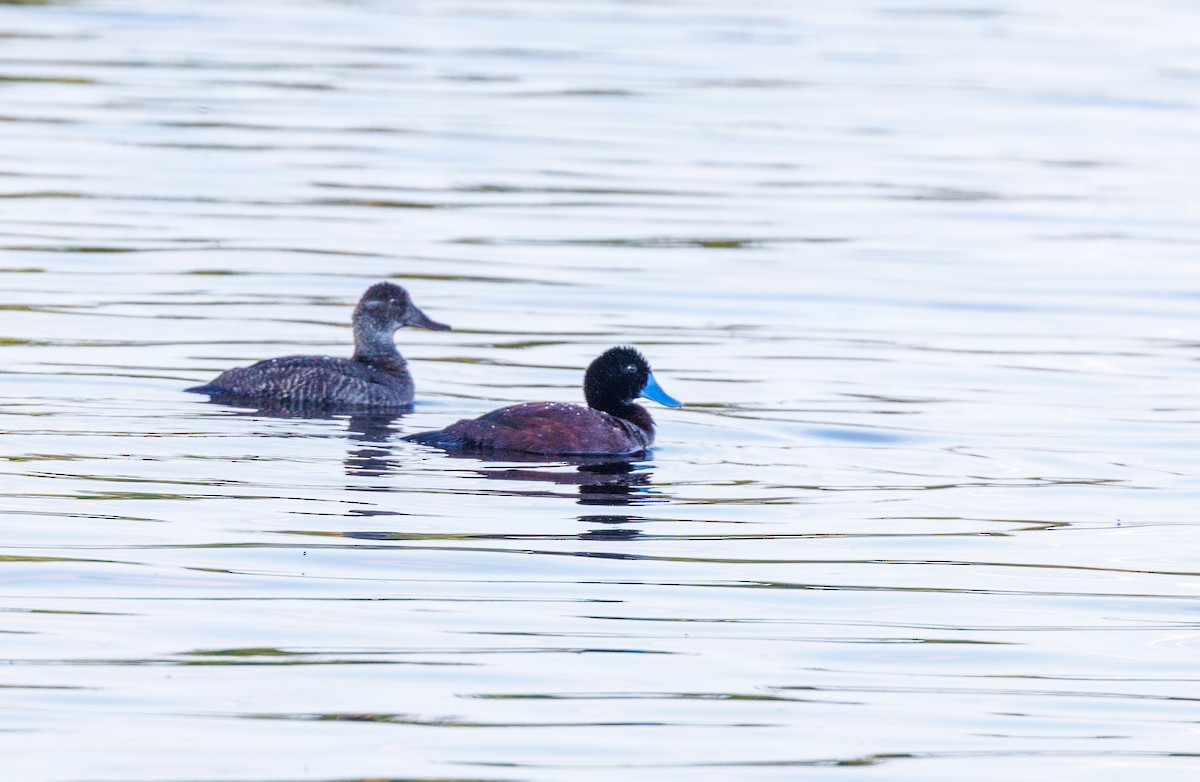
(926, 274)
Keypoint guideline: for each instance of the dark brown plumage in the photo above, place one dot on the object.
(611, 424)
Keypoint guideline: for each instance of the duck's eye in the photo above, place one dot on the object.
(631, 369)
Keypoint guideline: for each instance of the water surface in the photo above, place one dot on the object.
(924, 275)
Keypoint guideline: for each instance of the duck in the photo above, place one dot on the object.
(611, 424)
(375, 378)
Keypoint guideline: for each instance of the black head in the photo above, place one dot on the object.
(387, 307)
(619, 376)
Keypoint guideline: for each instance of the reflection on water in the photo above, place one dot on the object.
(610, 531)
(597, 481)
(925, 274)
(374, 433)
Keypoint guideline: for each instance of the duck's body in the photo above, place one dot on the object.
(611, 424)
(317, 381)
(544, 427)
(375, 378)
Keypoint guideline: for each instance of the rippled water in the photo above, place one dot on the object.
(925, 275)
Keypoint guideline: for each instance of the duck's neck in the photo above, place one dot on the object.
(376, 346)
(633, 413)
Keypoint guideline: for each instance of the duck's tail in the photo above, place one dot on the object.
(436, 439)
(212, 389)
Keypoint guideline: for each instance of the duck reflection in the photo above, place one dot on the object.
(596, 482)
(602, 483)
(610, 533)
(374, 433)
